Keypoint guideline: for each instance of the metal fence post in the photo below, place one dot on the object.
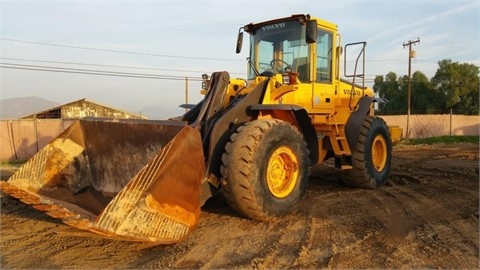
(451, 122)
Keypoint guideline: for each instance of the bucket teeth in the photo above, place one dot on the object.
(44, 205)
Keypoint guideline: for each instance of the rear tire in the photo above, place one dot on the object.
(265, 169)
(371, 157)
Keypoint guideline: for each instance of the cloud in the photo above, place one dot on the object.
(421, 22)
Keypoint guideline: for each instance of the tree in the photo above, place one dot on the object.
(459, 85)
(425, 98)
(455, 86)
(388, 88)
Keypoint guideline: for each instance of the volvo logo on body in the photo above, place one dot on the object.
(273, 26)
(348, 92)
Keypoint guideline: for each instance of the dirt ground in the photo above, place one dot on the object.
(425, 217)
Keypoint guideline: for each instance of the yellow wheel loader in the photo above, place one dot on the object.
(252, 139)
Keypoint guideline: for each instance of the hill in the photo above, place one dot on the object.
(12, 108)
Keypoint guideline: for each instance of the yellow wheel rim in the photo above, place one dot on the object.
(379, 153)
(282, 172)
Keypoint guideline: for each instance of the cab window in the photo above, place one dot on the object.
(324, 57)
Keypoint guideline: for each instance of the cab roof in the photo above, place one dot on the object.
(302, 18)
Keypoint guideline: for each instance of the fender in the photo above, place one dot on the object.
(235, 114)
(355, 120)
(222, 122)
(219, 125)
(303, 121)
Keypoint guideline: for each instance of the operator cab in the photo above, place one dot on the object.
(282, 46)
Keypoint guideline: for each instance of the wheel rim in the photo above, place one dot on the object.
(379, 153)
(282, 172)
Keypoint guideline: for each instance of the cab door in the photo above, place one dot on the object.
(323, 74)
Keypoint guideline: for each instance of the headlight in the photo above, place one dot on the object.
(286, 78)
(290, 78)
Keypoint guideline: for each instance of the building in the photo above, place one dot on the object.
(83, 108)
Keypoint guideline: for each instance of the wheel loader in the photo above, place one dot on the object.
(252, 140)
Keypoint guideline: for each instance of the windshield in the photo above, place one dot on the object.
(277, 46)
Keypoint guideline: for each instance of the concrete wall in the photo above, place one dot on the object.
(424, 126)
(21, 139)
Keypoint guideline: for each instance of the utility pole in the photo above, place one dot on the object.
(186, 94)
(411, 54)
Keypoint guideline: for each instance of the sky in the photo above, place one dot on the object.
(179, 39)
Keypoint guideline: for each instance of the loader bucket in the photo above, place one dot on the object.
(131, 180)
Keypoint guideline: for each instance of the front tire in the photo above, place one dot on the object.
(265, 169)
(372, 156)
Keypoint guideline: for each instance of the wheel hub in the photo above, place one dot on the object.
(282, 172)
(379, 153)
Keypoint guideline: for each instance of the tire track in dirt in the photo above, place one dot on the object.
(432, 212)
(288, 246)
(245, 243)
(442, 234)
(338, 227)
(316, 249)
(366, 223)
(226, 241)
(371, 229)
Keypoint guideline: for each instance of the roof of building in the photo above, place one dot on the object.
(54, 111)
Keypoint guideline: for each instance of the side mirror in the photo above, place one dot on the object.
(239, 40)
(311, 31)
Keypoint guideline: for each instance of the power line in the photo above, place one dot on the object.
(161, 55)
(94, 72)
(119, 51)
(99, 72)
(134, 67)
(103, 72)
(114, 66)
